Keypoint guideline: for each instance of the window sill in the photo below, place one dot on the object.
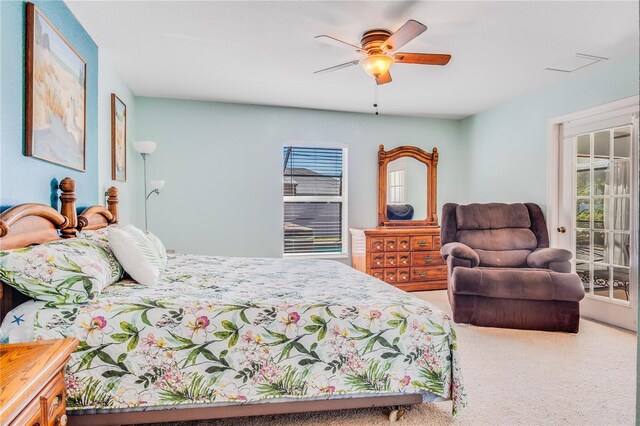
(316, 256)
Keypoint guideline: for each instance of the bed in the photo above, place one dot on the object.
(222, 337)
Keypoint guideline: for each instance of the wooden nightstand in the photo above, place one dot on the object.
(32, 387)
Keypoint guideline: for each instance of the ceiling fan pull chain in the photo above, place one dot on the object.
(375, 98)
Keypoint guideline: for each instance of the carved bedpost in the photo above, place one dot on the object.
(112, 203)
(68, 209)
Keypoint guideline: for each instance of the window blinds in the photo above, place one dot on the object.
(313, 200)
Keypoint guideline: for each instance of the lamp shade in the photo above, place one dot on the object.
(145, 147)
(376, 65)
(156, 184)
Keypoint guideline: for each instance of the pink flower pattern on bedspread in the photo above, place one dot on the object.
(218, 329)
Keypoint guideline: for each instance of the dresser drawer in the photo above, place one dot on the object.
(426, 258)
(404, 243)
(378, 273)
(391, 260)
(436, 242)
(377, 244)
(404, 258)
(422, 243)
(377, 260)
(391, 275)
(404, 275)
(390, 244)
(428, 273)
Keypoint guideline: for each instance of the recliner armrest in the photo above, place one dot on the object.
(461, 251)
(541, 258)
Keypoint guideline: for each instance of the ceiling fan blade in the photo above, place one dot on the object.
(421, 58)
(384, 78)
(338, 67)
(338, 43)
(410, 30)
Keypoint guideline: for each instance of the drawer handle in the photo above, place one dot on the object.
(391, 261)
(391, 245)
(378, 247)
(422, 274)
(422, 243)
(62, 420)
(428, 258)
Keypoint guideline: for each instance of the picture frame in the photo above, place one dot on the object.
(56, 94)
(118, 139)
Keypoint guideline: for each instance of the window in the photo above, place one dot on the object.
(395, 182)
(315, 201)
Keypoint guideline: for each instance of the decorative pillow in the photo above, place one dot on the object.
(139, 252)
(75, 270)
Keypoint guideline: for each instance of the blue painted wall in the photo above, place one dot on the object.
(26, 179)
(506, 146)
(224, 163)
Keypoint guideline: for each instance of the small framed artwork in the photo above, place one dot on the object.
(118, 139)
(56, 81)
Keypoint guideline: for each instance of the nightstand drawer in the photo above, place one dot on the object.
(30, 416)
(52, 402)
(422, 243)
(426, 258)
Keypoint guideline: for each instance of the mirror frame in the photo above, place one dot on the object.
(429, 159)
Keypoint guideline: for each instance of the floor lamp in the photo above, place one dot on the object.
(146, 148)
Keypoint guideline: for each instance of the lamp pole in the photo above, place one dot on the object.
(144, 161)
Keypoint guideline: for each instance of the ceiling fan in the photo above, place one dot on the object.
(379, 49)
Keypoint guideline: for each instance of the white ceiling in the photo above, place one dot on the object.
(264, 52)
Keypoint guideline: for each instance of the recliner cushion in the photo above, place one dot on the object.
(492, 216)
(513, 283)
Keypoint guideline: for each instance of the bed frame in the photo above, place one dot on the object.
(31, 224)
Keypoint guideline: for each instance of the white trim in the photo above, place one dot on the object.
(605, 309)
(554, 139)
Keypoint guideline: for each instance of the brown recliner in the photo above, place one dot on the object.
(501, 271)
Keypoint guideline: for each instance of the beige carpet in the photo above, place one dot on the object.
(515, 377)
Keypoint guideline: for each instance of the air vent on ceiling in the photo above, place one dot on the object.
(574, 63)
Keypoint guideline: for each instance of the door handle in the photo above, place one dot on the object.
(562, 229)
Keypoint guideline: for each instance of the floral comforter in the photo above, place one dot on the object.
(219, 329)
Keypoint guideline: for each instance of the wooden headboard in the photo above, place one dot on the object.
(31, 224)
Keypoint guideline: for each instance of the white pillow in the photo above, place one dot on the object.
(141, 254)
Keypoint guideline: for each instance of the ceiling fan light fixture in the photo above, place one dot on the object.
(376, 65)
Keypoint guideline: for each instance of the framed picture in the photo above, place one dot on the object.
(118, 139)
(56, 80)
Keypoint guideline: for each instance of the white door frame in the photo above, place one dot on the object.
(555, 161)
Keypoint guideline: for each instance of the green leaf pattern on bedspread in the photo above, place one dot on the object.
(66, 271)
(219, 329)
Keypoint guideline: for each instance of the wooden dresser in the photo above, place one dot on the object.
(408, 258)
(32, 386)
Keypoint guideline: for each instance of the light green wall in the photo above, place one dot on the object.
(223, 167)
(506, 147)
(130, 191)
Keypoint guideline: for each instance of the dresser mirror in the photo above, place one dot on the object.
(407, 187)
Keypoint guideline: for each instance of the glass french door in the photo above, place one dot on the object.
(600, 167)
